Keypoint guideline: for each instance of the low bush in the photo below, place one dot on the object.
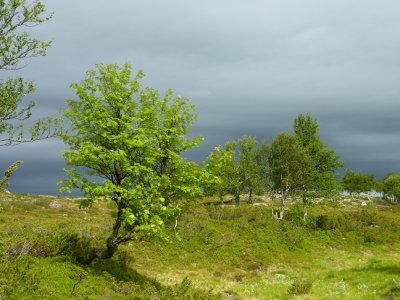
(300, 287)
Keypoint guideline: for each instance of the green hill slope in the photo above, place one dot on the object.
(342, 251)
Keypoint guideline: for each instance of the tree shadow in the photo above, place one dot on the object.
(118, 267)
(379, 267)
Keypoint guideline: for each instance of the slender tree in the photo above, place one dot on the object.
(234, 177)
(252, 165)
(321, 177)
(219, 167)
(262, 168)
(126, 141)
(240, 166)
(391, 186)
(289, 165)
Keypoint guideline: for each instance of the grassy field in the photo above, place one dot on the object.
(344, 250)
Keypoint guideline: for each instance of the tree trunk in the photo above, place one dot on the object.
(111, 245)
(102, 253)
(272, 205)
(176, 224)
(305, 202)
(251, 196)
(282, 206)
(237, 198)
(221, 198)
(305, 214)
(280, 217)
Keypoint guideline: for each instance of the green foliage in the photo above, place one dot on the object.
(126, 141)
(220, 168)
(300, 287)
(57, 278)
(238, 166)
(289, 163)
(358, 183)
(324, 162)
(295, 216)
(16, 45)
(295, 163)
(370, 225)
(7, 174)
(253, 165)
(12, 92)
(391, 185)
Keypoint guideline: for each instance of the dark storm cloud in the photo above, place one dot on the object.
(249, 66)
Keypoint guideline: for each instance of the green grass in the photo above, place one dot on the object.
(340, 252)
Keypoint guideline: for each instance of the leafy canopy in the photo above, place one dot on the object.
(16, 44)
(324, 162)
(238, 166)
(357, 183)
(126, 141)
(391, 185)
(289, 163)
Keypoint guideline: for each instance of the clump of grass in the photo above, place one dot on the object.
(394, 291)
(41, 243)
(300, 287)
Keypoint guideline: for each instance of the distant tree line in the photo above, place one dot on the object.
(297, 163)
(361, 183)
(294, 164)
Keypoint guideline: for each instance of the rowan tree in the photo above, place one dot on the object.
(126, 141)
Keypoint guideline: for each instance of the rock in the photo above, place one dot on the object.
(55, 205)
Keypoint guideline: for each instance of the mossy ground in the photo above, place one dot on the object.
(343, 251)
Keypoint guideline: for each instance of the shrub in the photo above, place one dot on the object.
(300, 287)
(44, 244)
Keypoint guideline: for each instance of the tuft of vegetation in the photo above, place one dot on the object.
(300, 287)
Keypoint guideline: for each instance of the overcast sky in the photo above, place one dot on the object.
(249, 67)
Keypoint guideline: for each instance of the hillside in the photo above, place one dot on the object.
(344, 250)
